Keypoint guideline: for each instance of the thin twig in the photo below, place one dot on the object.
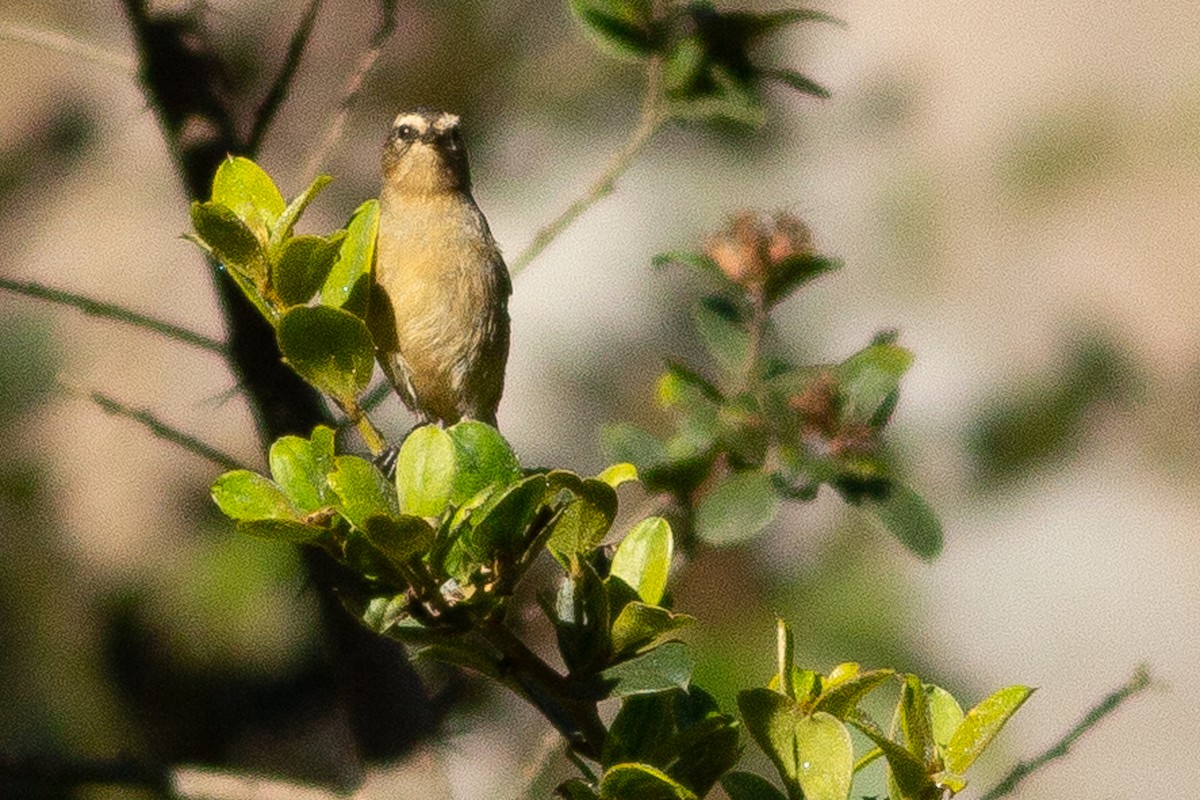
(1137, 683)
(652, 118)
(283, 81)
(97, 308)
(354, 84)
(164, 431)
(62, 43)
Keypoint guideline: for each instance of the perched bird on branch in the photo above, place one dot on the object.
(439, 304)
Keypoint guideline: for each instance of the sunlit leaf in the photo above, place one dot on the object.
(329, 348)
(363, 490)
(299, 467)
(981, 725)
(228, 240)
(641, 782)
(245, 495)
(347, 285)
(643, 559)
(640, 626)
(244, 188)
(824, 757)
(482, 458)
(425, 471)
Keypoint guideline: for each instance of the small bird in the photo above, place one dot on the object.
(439, 304)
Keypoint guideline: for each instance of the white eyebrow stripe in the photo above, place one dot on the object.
(416, 121)
(446, 122)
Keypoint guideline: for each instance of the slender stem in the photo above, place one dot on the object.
(62, 43)
(164, 431)
(370, 434)
(757, 330)
(265, 114)
(354, 85)
(1138, 682)
(652, 118)
(112, 311)
(574, 716)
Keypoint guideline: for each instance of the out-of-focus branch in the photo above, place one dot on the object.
(62, 43)
(354, 84)
(283, 81)
(24, 777)
(98, 308)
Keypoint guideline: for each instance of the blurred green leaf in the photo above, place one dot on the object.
(787, 275)
(228, 240)
(482, 458)
(291, 215)
(28, 362)
(299, 466)
(617, 474)
(910, 519)
(329, 348)
(623, 441)
(698, 262)
(748, 786)
(302, 266)
(622, 26)
(666, 667)
(869, 377)
(738, 509)
(643, 559)
(723, 332)
(245, 189)
(425, 471)
(824, 757)
(279, 530)
(245, 495)
(641, 782)
(794, 80)
(639, 626)
(348, 284)
(363, 490)
(981, 725)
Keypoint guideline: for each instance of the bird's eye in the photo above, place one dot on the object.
(405, 132)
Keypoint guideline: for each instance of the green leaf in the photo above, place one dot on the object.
(500, 526)
(910, 519)
(581, 618)
(913, 713)
(841, 698)
(586, 517)
(401, 539)
(299, 467)
(425, 471)
(246, 495)
(666, 667)
(329, 348)
(641, 782)
(981, 725)
(244, 188)
(279, 530)
(348, 284)
(643, 731)
(748, 786)
(794, 80)
(908, 773)
(869, 377)
(482, 458)
(622, 26)
(617, 474)
(227, 238)
(789, 274)
(697, 261)
(770, 718)
(723, 333)
(623, 441)
(643, 559)
(824, 757)
(739, 509)
(302, 265)
(291, 215)
(363, 490)
(944, 713)
(640, 626)
(576, 789)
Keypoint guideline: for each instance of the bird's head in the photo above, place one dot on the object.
(425, 154)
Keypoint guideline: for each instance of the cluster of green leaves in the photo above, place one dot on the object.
(312, 289)
(708, 68)
(800, 721)
(759, 429)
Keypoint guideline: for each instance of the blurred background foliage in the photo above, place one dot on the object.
(1014, 190)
